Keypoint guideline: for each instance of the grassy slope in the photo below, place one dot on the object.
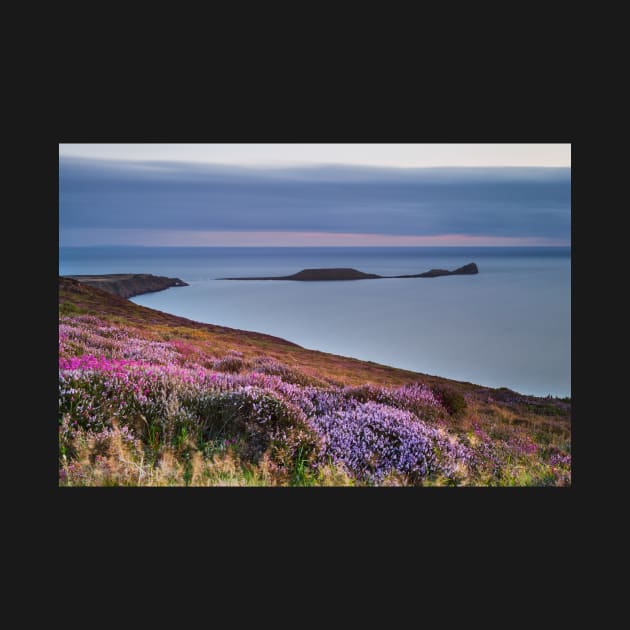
(496, 410)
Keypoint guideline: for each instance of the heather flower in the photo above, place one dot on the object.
(374, 440)
(120, 387)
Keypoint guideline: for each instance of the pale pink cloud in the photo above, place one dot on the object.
(199, 238)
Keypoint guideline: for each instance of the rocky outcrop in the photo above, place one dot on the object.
(468, 269)
(353, 274)
(127, 285)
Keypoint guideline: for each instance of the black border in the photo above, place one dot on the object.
(456, 517)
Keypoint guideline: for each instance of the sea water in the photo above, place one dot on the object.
(508, 326)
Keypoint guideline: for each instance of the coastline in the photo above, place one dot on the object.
(148, 398)
(453, 328)
(116, 305)
(128, 285)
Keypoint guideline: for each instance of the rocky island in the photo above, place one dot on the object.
(128, 285)
(342, 273)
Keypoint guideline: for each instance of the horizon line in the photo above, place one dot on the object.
(312, 246)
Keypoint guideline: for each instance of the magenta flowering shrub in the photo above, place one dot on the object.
(117, 387)
(161, 402)
(486, 458)
(97, 393)
(89, 335)
(273, 367)
(560, 459)
(87, 320)
(523, 444)
(414, 397)
(373, 440)
(561, 468)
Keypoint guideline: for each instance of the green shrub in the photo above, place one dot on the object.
(229, 363)
(453, 401)
(265, 423)
(67, 308)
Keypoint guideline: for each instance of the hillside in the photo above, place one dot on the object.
(149, 398)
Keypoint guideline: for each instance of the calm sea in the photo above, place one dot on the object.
(509, 326)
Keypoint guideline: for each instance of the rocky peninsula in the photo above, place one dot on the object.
(318, 275)
(128, 285)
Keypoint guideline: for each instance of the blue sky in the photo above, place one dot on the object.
(314, 194)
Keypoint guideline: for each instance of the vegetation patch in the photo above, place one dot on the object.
(149, 399)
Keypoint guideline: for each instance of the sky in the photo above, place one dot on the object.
(314, 194)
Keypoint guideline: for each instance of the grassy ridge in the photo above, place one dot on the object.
(149, 398)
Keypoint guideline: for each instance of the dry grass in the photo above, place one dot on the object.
(500, 414)
(115, 463)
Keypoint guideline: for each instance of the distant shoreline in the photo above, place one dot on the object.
(128, 285)
(344, 273)
(425, 247)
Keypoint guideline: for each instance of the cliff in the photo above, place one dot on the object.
(127, 285)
